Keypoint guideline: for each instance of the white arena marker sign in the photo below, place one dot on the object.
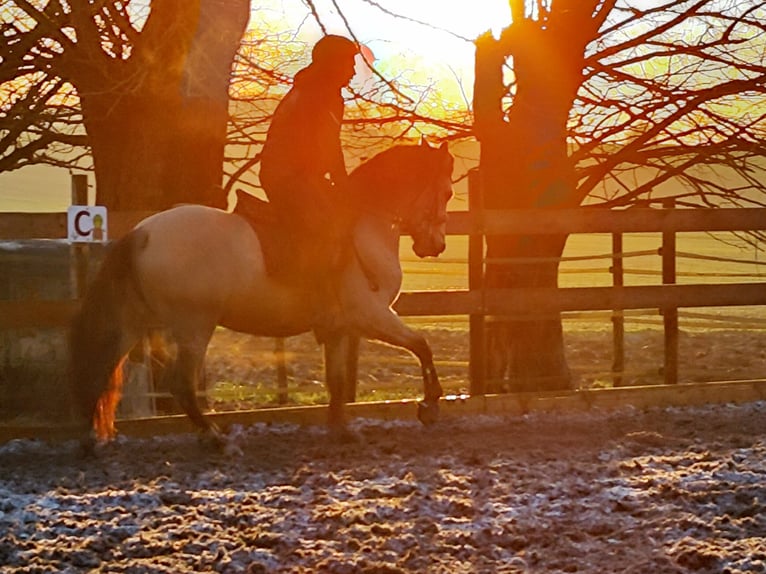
(86, 223)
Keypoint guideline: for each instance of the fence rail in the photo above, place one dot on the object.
(14, 314)
(477, 302)
(489, 222)
(532, 302)
(18, 226)
(592, 220)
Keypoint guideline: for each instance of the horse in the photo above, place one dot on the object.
(192, 268)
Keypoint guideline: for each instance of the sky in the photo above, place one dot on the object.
(441, 30)
(431, 41)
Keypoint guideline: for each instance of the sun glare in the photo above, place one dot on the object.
(466, 20)
(433, 29)
(432, 39)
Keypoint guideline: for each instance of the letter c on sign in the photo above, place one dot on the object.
(80, 231)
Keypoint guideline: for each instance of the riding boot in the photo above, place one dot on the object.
(327, 315)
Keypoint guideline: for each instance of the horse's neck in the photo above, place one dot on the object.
(377, 229)
(376, 251)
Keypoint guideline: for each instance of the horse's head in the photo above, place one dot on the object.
(412, 184)
(426, 217)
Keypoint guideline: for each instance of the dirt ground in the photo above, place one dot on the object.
(666, 491)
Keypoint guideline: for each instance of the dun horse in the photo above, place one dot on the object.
(191, 268)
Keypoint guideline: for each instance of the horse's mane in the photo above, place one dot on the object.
(391, 175)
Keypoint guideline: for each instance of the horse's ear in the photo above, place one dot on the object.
(444, 147)
(424, 142)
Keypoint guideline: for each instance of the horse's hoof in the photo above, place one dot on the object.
(428, 413)
(232, 450)
(87, 448)
(213, 439)
(90, 445)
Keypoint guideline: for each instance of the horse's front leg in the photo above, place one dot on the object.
(428, 408)
(389, 328)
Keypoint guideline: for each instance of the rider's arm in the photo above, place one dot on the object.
(338, 173)
(337, 170)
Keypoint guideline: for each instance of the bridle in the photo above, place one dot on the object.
(428, 218)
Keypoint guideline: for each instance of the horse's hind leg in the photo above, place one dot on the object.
(184, 376)
(337, 374)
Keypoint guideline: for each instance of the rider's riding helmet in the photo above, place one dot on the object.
(332, 49)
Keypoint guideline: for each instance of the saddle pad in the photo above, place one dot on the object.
(274, 242)
(279, 254)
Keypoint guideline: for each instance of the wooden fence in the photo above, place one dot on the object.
(477, 302)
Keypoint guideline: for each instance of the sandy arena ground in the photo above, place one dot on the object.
(665, 491)
(659, 491)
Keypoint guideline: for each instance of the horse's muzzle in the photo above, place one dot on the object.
(432, 248)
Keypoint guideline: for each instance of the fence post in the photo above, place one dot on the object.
(618, 316)
(669, 315)
(80, 251)
(476, 341)
(352, 368)
(279, 358)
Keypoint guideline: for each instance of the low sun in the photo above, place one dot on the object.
(430, 28)
(468, 19)
(404, 30)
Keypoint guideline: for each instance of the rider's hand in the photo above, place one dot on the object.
(340, 183)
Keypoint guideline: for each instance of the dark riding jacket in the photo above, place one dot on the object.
(303, 151)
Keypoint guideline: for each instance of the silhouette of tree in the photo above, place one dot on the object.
(144, 85)
(600, 102)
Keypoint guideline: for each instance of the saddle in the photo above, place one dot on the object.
(275, 243)
(278, 247)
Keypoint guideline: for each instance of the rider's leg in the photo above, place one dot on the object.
(326, 239)
(328, 318)
(314, 219)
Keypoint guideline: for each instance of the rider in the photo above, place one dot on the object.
(303, 171)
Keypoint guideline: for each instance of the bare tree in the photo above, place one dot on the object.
(144, 85)
(138, 92)
(597, 100)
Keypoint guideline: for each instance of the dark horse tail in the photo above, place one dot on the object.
(96, 348)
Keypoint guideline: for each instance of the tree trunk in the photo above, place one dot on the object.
(525, 164)
(156, 122)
